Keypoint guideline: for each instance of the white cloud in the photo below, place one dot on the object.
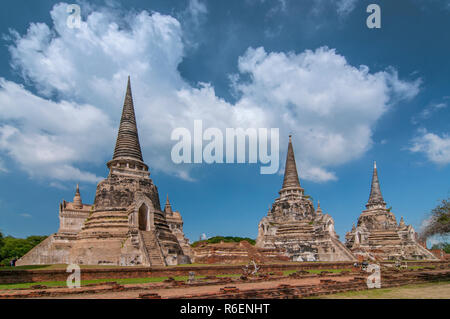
(330, 106)
(429, 110)
(47, 138)
(3, 168)
(276, 6)
(436, 148)
(344, 7)
(197, 9)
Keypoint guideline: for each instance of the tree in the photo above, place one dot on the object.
(439, 221)
(1, 242)
(444, 246)
(17, 247)
(225, 239)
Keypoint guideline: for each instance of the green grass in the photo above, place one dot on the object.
(315, 271)
(64, 266)
(420, 267)
(93, 281)
(23, 267)
(228, 276)
(59, 266)
(122, 281)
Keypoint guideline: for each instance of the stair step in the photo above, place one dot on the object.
(153, 250)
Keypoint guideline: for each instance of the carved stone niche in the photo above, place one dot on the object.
(141, 216)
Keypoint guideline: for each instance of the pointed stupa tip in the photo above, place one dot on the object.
(77, 202)
(319, 209)
(168, 207)
(375, 197)
(127, 144)
(290, 170)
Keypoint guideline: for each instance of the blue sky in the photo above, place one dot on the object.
(348, 94)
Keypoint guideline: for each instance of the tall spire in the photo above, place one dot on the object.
(77, 199)
(127, 144)
(290, 170)
(168, 207)
(319, 209)
(375, 198)
(127, 159)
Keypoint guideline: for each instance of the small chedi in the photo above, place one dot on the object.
(379, 237)
(126, 225)
(293, 226)
(175, 222)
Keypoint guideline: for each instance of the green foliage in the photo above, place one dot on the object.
(1, 240)
(227, 239)
(439, 221)
(443, 246)
(17, 247)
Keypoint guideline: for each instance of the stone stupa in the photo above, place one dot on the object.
(126, 225)
(377, 235)
(295, 228)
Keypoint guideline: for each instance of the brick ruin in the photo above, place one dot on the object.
(377, 234)
(234, 253)
(293, 226)
(266, 284)
(126, 225)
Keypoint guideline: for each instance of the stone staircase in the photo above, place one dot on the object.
(384, 237)
(297, 229)
(341, 249)
(152, 248)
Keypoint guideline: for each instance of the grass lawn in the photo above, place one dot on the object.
(315, 271)
(436, 290)
(420, 267)
(123, 281)
(57, 266)
(64, 266)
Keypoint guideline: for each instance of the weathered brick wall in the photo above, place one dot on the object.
(26, 276)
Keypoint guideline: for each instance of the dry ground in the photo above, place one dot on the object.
(420, 291)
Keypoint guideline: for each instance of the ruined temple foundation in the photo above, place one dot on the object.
(379, 237)
(294, 227)
(235, 253)
(126, 225)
